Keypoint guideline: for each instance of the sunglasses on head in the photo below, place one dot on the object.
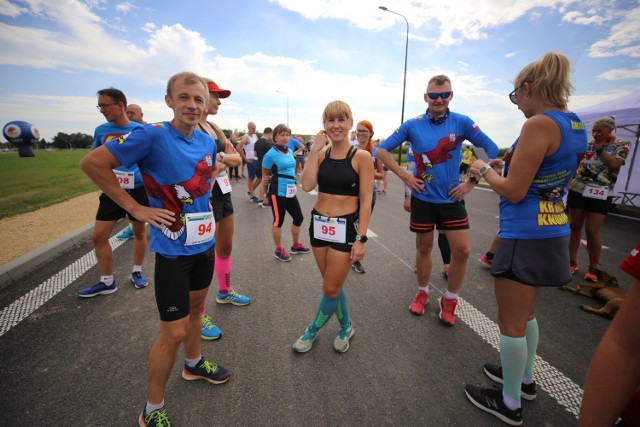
(433, 96)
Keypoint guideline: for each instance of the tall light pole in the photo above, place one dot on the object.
(287, 95)
(404, 84)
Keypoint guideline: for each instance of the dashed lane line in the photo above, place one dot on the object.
(20, 309)
(567, 393)
(562, 389)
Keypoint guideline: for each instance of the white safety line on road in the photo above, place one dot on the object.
(562, 389)
(20, 309)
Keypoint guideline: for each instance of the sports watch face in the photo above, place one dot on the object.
(362, 239)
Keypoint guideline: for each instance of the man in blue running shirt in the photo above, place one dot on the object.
(436, 139)
(176, 163)
(112, 103)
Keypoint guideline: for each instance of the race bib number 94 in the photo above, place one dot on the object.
(201, 228)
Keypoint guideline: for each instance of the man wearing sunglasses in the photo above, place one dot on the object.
(436, 139)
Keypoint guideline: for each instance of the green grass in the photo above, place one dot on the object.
(31, 183)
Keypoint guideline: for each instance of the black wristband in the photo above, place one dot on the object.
(473, 180)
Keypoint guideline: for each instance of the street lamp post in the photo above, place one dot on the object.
(404, 84)
(287, 95)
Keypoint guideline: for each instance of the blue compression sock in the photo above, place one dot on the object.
(326, 309)
(342, 313)
(513, 356)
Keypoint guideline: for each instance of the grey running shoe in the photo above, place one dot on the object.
(358, 268)
(341, 343)
(305, 342)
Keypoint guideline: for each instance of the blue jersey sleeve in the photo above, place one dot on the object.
(293, 144)
(480, 139)
(131, 148)
(398, 136)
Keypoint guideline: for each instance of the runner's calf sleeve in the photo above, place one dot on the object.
(223, 274)
(513, 356)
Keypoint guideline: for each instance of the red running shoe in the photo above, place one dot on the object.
(573, 268)
(485, 261)
(417, 305)
(591, 276)
(448, 310)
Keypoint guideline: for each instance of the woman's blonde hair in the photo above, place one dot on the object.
(607, 121)
(549, 76)
(337, 109)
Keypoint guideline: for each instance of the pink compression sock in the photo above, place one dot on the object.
(223, 273)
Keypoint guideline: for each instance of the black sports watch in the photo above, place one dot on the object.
(362, 238)
(473, 179)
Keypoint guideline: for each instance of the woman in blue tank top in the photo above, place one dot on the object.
(531, 183)
(279, 183)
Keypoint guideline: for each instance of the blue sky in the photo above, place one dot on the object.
(57, 54)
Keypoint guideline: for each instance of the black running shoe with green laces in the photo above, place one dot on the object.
(207, 371)
(157, 418)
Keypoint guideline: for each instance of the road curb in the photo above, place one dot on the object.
(20, 267)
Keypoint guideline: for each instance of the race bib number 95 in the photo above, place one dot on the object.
(330, 229)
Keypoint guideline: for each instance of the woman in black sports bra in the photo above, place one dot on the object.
(340, 217)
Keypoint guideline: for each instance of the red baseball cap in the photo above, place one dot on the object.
(222, 93)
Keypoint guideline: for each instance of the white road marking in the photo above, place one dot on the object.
(562, 389)
(584, 242)
(21, 308)
(567, 393)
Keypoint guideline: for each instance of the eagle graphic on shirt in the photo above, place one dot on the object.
(176, 196)
(440, 154)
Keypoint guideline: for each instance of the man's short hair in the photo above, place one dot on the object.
(439, 80)
(116, 94)
(189, 78)
(267, 130)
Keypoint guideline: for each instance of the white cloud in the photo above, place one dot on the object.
(10, 9)
(125, 7)
(577, 17)
(448, 22)
(623, 39)
(85, 44)
(80, 41)
(621, 74)
(149, 27)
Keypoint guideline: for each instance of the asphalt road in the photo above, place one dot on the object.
(66, 361)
